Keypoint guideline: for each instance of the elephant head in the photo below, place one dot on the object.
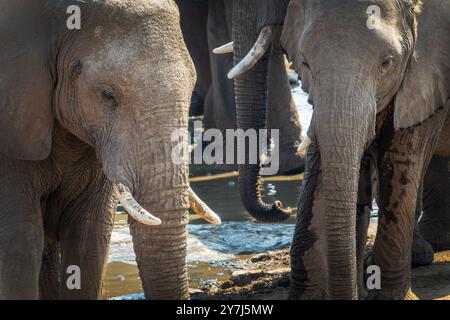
(121, 84)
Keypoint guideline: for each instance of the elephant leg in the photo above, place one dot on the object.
(422, 252)
(85, 232)
(404, 155)
(283, 115)
(364, 207)
(49, 278)
(50, 271)
(435, 222)
(193, 20)
(197, 105)
(220, 109)
(21, 238)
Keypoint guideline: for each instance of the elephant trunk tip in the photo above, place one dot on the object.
(270, 213)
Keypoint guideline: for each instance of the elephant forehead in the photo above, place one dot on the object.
(111, 54)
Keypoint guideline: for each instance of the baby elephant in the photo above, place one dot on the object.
(88, 107)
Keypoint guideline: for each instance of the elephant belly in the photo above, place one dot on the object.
(443, 148)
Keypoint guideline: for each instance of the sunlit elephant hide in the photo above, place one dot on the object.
(381, 98)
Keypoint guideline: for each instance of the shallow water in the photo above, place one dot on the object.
(210, 247)
(214, 250)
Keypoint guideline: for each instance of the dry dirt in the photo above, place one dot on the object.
(267, 278)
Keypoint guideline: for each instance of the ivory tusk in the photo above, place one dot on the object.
(303, 147)
(255, 54)
(133, 208)
(202, 209)
(226, 48)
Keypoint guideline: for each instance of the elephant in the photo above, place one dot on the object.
(432, 228)
(87, 118)
(434, 225)
(206, 25)
(378, 77)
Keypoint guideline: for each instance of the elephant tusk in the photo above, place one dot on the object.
(133, 208)
(303, 148)
(256, 53)
(226, 48)
(200, 208)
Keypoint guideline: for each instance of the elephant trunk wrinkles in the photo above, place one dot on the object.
(251, 103)
(343, 119)
(164, 190)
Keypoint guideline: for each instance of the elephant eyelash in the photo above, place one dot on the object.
(387, 61)
(109, 98)
(106, 95)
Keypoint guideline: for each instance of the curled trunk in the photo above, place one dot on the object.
(251, 105)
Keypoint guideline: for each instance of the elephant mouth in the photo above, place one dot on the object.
(137, 212)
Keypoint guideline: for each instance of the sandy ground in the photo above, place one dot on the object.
(266, 277)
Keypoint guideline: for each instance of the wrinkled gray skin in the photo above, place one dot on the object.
(80, 111)
(206, 25)
(344, 86)
(253, 94)
(382, 93)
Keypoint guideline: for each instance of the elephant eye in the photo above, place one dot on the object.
(109, 98)
(387, 61)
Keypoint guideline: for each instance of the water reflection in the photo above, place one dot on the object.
(222, 195)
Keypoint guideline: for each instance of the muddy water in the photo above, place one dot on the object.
(214, 250)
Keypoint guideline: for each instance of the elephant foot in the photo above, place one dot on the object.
(392, 295)
(387, 291)
(439, 240)
(422, 251)
(410, 295)
(291, 163)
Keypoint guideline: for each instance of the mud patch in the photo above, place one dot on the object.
(266, 277)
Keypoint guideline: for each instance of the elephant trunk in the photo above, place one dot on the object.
(251, 104)
(342, 123)
(161, 187)
(161, 252)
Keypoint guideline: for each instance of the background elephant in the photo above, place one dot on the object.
(372, 92)
(206, 25)
(432, 230)
(84, 112)
(435, 223)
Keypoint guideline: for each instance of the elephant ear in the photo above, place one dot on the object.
(422, 93)
(425, 87)
(25, 81)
